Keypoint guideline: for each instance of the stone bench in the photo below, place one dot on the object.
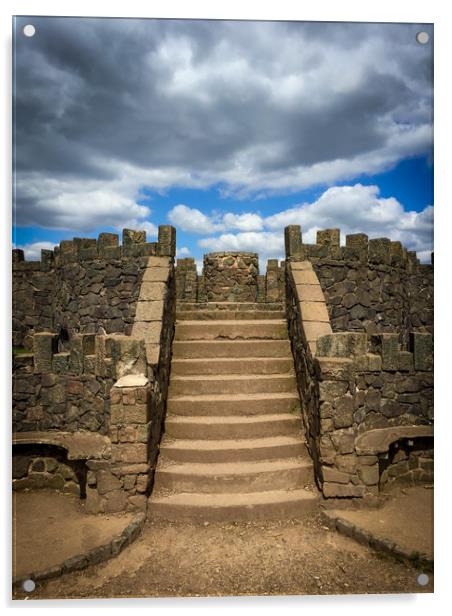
(379, 440)
(79, 448)
(79, 445)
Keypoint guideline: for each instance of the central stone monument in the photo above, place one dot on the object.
(231, 276)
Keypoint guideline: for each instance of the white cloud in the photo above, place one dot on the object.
(243, 222)
(192, 220)
(352, 209)
(184, 251)
(32, 252)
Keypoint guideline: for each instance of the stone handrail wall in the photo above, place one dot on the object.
(350, 383)
(369, 285)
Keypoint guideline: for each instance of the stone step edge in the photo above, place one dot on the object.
(236, 469)
(93, 557)
(233, 419)
(379, 544)
(234, 498)
(272, 395)
(225, 444)
(232, 376)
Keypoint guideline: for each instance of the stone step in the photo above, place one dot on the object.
(232, 365)
(230, 306)
(234, 404)
(232, 426)
(196, 349)
(231, 384)
(232, 330)
(229, 315)
(234, 477)
(274, 504)
(230, 450)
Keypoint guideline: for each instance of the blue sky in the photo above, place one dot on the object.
(228, 130)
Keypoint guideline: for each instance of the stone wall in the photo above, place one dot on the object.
(70, 390)
(230, 277)
(369, 285)
(83, 285)
(110, 384)
(360, 394)
(351, 384)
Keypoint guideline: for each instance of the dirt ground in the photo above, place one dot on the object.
(49, 527)
(295, 557)
(406, 518)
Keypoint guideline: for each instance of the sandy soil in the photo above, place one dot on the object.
(280, 558)
(49, 527)
(406, 518)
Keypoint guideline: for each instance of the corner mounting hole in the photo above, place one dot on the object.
(28, 585)
(422, 38)
(29, 30)
(422, 579)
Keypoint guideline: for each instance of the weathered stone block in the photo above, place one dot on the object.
(344, 440)
(152, 291)
(292, 240)
(380, 251)
(369, 475)
(386, 345)
(330, 390)
(148, 331)
(332, 474)
(129, 453)
(167, 240)
(342, 344)
(314, 329)
(329, 237)
(339, 490)
(149, 311)
(314, 311)
(129, 236)
(343, 413)
(44, 346)
(422, 347)
(106, 482)
(115, 501)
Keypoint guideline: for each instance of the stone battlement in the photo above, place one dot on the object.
(105, 247)
(379, 351)
(358, 247)
(110, 356)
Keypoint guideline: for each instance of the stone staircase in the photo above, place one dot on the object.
(233, 447)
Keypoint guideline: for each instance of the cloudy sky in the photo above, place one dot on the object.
(228, 130)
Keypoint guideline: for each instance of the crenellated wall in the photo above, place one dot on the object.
(369, 285)
(83, 285)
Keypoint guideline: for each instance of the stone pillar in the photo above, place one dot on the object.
(293, 241)
(121, 484)
(167, 241)
(272, 283)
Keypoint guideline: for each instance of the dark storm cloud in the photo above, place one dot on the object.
(111, 105)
